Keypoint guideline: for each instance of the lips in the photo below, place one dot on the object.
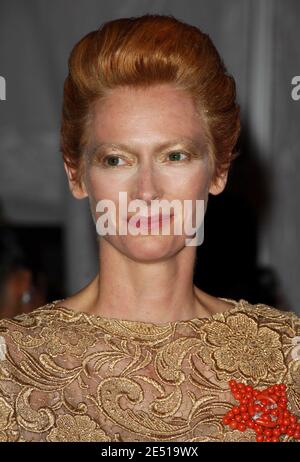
(141, 221)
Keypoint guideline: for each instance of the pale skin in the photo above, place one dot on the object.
(146, 278)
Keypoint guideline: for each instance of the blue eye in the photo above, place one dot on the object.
(176, 154)
(114, 160)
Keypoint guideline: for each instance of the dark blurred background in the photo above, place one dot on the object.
(47, 241)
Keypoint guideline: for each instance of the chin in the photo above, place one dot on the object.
(151, 248)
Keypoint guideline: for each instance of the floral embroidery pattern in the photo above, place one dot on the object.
(69, 376)
(78, 428)
(69, 339)
(240, 345)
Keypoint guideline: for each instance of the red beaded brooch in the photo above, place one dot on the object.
(265, 411)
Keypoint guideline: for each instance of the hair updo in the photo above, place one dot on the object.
(144, 51)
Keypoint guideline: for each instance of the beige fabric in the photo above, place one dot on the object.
(69, 376)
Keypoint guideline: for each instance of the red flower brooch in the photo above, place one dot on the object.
(264, 411)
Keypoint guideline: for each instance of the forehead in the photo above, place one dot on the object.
(160, 110)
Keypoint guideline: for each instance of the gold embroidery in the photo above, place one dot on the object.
(70, 376)
(240, 345)
(78, 428)
(2, 348)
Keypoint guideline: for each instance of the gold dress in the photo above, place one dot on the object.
(73, 376)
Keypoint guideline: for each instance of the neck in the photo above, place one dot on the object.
(157, 292)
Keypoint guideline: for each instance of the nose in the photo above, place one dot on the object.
(147, 186)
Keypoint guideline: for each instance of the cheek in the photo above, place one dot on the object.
(192, 184)
(181, 183)
(106, 184)
(100, 186)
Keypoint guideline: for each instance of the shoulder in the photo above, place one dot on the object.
(24, 318)
(244, 313)
(258, 333)
(26, 333)
(277, 329)
(30, 324)
(260, 320)
(262, 312)
(40, 316)
(47, 331)
(285, 326)
(276, 316)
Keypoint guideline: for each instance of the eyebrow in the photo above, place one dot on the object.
(188, 142)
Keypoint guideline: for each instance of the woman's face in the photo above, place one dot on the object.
(147, 143)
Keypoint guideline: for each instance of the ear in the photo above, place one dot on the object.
(219, 184)
(78, 190)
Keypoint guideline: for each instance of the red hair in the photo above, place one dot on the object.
(144, 51)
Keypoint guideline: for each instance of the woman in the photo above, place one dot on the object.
(141, 354)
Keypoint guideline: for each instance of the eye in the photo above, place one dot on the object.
(112, 161)
(175, 155)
